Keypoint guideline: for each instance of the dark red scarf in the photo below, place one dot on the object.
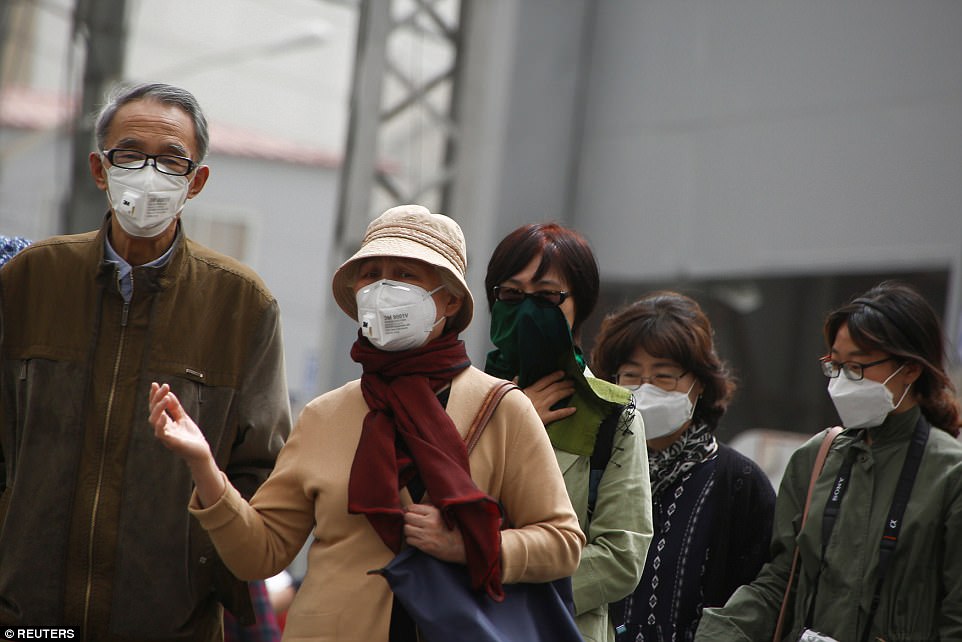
(400, 389)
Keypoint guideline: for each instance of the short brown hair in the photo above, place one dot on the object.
(672, 326)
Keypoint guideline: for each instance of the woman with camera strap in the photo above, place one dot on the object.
(877, 554)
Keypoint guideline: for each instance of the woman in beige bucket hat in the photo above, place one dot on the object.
(380, 463)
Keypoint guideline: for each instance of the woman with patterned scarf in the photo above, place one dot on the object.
(712, 507)
(542, 283)
(380, 463)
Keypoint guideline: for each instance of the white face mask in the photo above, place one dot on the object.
(864, 403)
(144, 200)
(396, 316)
(663, 411)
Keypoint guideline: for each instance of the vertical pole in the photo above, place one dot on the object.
(102, 26)
(357, 174)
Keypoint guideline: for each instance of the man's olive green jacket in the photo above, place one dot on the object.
(94, 529)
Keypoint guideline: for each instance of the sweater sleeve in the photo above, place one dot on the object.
(748, 536)
(259, 539)
(621, 527)
(545, 540)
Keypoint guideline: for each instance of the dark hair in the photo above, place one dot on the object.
(561, 248)
(165, 94)
(672, 326)
(894, 318)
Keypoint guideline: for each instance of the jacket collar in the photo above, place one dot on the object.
(896, 428)
(152, 278)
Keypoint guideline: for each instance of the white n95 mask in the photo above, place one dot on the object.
(663, 411)
(863, 403)
(396, 316)
(144, 200)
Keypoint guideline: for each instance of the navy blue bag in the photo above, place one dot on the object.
(439, 598)
(438, 595)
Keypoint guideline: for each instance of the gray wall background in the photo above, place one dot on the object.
(769, 157)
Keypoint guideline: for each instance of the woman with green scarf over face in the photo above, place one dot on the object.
(542, 283)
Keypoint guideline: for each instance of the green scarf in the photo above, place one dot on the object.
(533, 342)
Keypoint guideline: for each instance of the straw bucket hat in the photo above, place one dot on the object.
(410, 232)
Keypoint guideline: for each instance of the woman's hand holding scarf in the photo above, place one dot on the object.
(548, 391)
(424, 529)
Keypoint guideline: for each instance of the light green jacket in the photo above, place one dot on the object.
(620, 529)
(921, 598)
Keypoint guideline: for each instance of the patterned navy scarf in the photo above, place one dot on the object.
(665, 467)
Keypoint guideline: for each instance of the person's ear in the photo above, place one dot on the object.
(98, 170)
(912, 372)
(453, 306)
(201, 174)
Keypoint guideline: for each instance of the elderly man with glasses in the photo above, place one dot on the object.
(94, 529)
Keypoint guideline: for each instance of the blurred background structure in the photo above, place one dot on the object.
(770, 159)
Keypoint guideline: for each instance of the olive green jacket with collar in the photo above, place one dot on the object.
(93, 524)
(921, 598)
(619, 530)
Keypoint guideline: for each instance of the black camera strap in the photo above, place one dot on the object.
(893, 524)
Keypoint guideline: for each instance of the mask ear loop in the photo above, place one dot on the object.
(695, 402)
(903, 396)
(904, 392)
(443, 318)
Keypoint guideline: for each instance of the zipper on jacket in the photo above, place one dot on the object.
(100, 472)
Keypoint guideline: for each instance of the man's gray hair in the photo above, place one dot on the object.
(166, 94)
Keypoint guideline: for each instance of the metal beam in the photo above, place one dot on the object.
(402, 127)
(102, 27)
(402, 131)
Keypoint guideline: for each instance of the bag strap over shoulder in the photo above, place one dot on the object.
(488, 406)
(830, 436)
(827, 441)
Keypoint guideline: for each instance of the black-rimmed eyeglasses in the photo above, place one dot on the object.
(853, 370)
(542, 298)
(164, 163)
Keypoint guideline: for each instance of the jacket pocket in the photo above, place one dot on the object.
(209, 405)
(55, 425)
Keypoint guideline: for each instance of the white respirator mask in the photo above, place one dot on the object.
(144, 200)
(396, 316)
(663, 411)
(863, 403)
